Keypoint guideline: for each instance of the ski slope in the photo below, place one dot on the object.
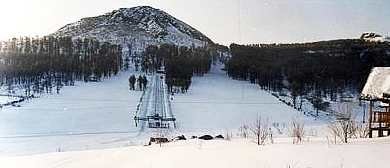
(216, 103)
(100, 115)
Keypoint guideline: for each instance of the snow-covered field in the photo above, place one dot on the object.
(84, 116)
(100, 115)
(216, 103)
(361, 153)
(69, 130)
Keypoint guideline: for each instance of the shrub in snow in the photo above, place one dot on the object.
(228, 136)
(280, 127)
(341, 129)
(345, 129)
(261, 131)
(359, 130)
(343, 126)
(298, 131)
(243, 131)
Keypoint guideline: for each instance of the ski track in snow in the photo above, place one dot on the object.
(100, 115)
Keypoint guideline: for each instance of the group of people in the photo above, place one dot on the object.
(142, 82)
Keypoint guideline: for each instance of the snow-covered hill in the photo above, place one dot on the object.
(137, 26)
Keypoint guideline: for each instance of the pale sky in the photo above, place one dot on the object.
(224, 21)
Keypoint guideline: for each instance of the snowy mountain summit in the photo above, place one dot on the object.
(135, 28)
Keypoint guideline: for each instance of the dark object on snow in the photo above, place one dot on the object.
(144, 82)
(219, 137)
(179, 138)
(140, 82)
(132, 81)
(206, 137)
(16, 105)
(194, 137)
(158, 140)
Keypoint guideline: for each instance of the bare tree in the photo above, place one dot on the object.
(243, 131)
(343, 123)
(298, 131)
(359, 130)
(340, 128)
(260, 130)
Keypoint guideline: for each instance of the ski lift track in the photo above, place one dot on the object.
(154, 104)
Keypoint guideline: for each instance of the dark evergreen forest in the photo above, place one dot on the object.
(311, 71)
(48, 63)
(179, 63)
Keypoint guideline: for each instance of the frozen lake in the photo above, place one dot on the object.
(100, 115)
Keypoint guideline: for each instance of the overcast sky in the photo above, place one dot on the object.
(224, 21)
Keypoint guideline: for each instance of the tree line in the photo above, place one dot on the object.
(41, 64)
(313, 71)
(179, 63)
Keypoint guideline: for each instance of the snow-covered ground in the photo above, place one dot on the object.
(216, 103)
(70, 129)
(5, 99)
(84, 116)
(318, 153)
(100, 115)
